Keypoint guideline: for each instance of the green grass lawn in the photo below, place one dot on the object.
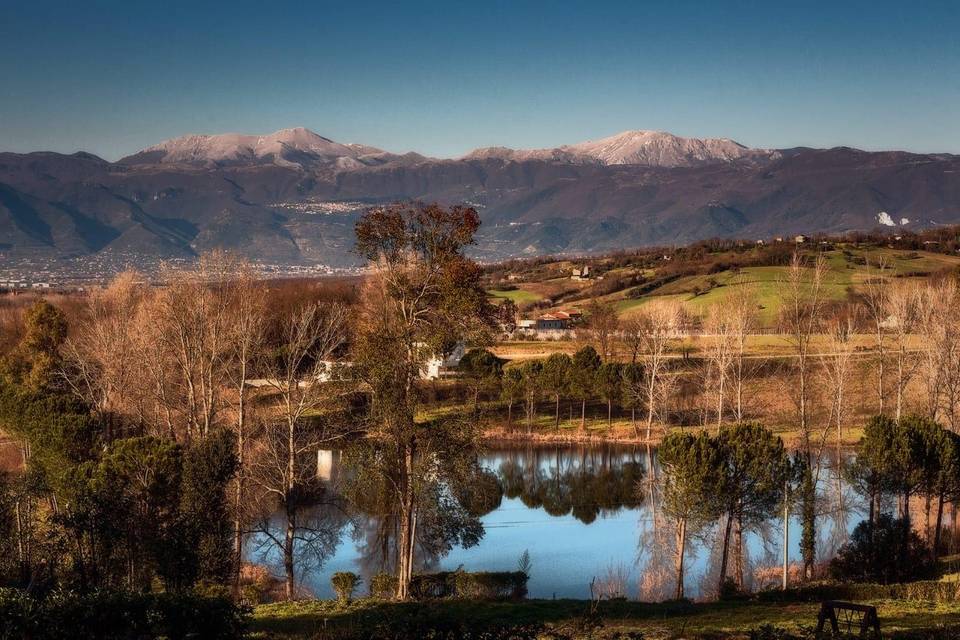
(518, 296)
(697, 293)
(310, 619)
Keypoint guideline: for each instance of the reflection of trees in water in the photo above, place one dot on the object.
(319, 530)
(584, 482)
(838, 503)
(656, 542)
(839, 506)
(449, 508)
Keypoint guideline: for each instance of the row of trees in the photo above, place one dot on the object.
(742, 478)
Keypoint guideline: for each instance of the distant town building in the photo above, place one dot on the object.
(581, 274)
(800, 239)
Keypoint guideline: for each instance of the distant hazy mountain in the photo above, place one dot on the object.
(293, 196)
(650, 148)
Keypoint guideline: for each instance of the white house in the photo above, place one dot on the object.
(441, 367)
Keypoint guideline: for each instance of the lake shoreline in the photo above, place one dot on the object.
(499, 433)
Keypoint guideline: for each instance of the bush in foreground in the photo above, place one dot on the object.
(108, 615)
(344, 584)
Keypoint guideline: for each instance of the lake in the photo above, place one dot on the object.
(578, 512)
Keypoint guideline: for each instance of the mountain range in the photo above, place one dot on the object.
(293, 196)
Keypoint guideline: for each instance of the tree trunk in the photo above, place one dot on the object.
(583, 414)
(681, 543)
(725, 545)
(808, 536)
(938, 527)
(609, 412)
(880, 367)
(405, 542)
(785, 578)
(239, 488)
(557, 413)
(288, 551)
(738, 553)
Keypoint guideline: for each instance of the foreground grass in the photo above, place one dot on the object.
(667, 620)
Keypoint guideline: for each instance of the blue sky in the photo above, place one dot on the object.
(443, 78)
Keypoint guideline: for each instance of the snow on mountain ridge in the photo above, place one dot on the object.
(653, 148)
(237, 147)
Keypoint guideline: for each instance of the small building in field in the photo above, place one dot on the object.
(800, 239)
(558, 320)
(581, 274)
(551, 322)
(444, 366)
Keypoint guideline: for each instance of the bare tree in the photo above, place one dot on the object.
(939, 335)
(721, 337)
(305, 422)
(801, 294)
(742, 310)
(194, 317)
(837, 367)
(100, 358)
(658, 323)
(876, 304)
(901, 307)
(630, 337)
(603, 325)
(247, 335)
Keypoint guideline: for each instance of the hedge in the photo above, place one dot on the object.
(925, 590)
(109, 615)
(489, 585)
(383, 586)
(485, 585)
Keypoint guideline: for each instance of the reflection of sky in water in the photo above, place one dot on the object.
(566, 553)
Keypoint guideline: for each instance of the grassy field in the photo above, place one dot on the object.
(733, 619)
(518, 296)
(847, 270)
(757, 346)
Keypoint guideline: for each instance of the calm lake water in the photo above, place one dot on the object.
(578, 512)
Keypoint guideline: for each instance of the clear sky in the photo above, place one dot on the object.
(445, 77)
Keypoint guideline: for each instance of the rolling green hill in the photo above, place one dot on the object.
(701, 279)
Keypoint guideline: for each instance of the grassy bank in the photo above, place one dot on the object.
(624, 432)
(365, 618)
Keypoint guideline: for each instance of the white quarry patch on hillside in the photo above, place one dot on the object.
(884, 218)
(904, 220)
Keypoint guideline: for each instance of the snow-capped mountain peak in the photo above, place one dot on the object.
(287, 147)
(639, 147)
